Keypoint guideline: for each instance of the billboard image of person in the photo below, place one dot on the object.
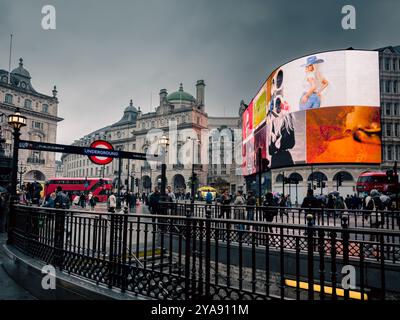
(260, 143)
(286, 140)
(314, 84)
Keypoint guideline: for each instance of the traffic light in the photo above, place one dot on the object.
(390, 175)
(319, 184)
(264, 165)
(137, 182)
(323, 184)
(286, 180)
(126, 182)
(339, 179)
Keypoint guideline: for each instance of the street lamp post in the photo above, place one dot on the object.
(259, 154)
(163, 142)
(17, 121)
(193, 173)
(118, 206)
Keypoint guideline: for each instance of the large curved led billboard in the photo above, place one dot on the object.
(319, 109)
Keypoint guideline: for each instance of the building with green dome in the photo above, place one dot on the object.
(179, 115)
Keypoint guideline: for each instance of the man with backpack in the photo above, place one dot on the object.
(374, 205)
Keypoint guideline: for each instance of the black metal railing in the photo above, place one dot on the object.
(166, 256)
(383, 219)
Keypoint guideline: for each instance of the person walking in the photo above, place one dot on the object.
(225, 206)
(170, 194)
(269, 209)
(251, 203)
(82, 200)
(132, 202)
(92, 201)
(154, 201)
(310, 202)
(239, 209)
(208, 199)
(112, 203)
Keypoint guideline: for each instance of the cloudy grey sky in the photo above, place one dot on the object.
(104, 53)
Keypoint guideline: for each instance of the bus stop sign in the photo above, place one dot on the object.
(98, 159)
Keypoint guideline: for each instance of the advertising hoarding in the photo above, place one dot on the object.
(322, 108)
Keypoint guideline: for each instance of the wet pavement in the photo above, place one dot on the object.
(9, 289)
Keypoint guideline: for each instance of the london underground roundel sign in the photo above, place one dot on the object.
(101, 144)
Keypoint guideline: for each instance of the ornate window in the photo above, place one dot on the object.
(28, 104)
(8, 98)
(45, 108)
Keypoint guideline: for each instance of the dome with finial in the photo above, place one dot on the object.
(129, 117)
(21, 71)
(130, 108)
(180, 96)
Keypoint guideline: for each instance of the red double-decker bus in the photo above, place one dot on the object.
(98, 186)
(374, 180)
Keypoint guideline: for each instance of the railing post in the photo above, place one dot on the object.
(208, 250)
(124, 251)
(187, 253)
(310, 256)
(59, 239)
(111, 252)
(345, 236)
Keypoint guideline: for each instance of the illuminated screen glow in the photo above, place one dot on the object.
(322, 108)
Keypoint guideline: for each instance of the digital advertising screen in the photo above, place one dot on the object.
(321, 108)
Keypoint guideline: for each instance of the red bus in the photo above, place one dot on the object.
(99, 187)
(374, 180)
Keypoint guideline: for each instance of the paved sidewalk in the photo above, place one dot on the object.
(9, 289)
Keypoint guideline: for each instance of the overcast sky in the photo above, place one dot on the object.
(104, 53)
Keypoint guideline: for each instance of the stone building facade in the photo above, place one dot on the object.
(225, 153)
(179, 116)
(41, 111)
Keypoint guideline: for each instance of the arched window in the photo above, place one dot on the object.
(317, 176)
(295, 177)
(346, 176)
(279, 178)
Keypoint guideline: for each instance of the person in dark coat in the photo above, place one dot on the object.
(269, 209)
(154, 201)
(282, 139)
(225, 206)
(132, 202)
(311, 202)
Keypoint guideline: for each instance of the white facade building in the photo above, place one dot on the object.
(41, 111)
